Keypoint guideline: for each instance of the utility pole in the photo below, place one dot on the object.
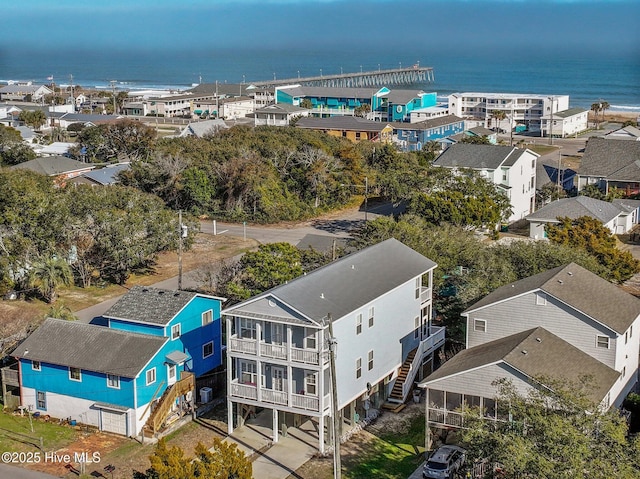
(182, 232)
(113, 93)
(551, 122)
(366, 196)
(337, 466)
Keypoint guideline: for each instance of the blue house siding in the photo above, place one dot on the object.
(146, 392)
(93, 386)
(416, 138)
(194, 335)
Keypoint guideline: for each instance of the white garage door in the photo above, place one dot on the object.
(113, 421)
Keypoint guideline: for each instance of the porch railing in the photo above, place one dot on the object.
(445, 417)
(307, 356)
(433, 341)
(275, 351)
(274, 397)
(310, 403)
(246, 391)
(243, 345)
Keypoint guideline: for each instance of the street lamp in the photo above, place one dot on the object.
(366, 193)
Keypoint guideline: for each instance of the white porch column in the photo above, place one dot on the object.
(289, 341)
(321, 433)
(275, 425)
(229, 416)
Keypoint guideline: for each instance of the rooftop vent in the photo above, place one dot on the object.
(353, 266)
(560, 281)
(569, 273)
(160, 292)
(524, 351)
(321, 295)
(539, 340)
(272, 303)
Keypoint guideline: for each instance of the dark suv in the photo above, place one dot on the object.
(444, 463)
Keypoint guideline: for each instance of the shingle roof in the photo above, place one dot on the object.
(611, 159)
(349, 283)
(281, 108)
(568, 113)
(426, 124)
(402, 97)
(536, 353)
(579, 288)
(330, 92)
(53, 165)
(90, 347)
(352, 123)
(576, 207)
(627, 133)
(467, 155)
(149, 305)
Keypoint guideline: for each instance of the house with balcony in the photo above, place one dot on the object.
(521, 110)
(130, 371)
(278, 114)
(511, 169)
(563, 324)
(564, 123)
(376, 303)
(413, 136)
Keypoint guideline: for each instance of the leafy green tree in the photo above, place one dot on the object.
(604, 106)
(498, 116)
(306, 103)
(476, 140)
(33, 118)
(16, 154)
(362, 110)
(9, 136)
(124, 140)
(575, 438)
(61, 311)
(596, 108)
(590, 235)
(223, 461)
(47, 275)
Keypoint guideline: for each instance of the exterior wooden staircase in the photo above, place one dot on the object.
(395, 401)
(162, 410)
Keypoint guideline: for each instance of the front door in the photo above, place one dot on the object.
(278, 379)
(171, 374)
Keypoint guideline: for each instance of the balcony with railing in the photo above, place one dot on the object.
(425, 294)
(284, 351)
(303, 402)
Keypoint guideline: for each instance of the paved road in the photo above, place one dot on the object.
(339, 227)
(11, 472)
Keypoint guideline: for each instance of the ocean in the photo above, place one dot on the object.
(586, 76)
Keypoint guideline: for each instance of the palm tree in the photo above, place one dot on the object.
(61, 311)
(498, 115)
(604, 105)
(595, 108)
(47, 275)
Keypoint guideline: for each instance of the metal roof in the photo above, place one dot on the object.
(90, 347)
(577, 207)
(351, 123)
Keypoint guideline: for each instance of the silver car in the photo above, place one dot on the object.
(444, 463)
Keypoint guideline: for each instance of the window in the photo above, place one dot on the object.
(631, 331)
(35, 365)
(207, 349)
(504, 175)
(151, 376)
(310, 338)
(41, 400)
(416, 327)
(113, 381)
(74, 374)
(171, 373)
(248, 373)
(418, 286)
(175, 331)
(207, 317)
(358, 368)
(359, 323)
(480, 325)
(626, 337)
(310, 384)
(370, 360)
(247, 328)
(541, 299)
(624, 372)
(602, 342)
(371, 316)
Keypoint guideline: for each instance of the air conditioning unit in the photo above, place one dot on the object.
(205, 395)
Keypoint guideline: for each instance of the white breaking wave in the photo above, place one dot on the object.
(625, 107)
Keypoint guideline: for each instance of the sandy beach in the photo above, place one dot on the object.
(616, 116)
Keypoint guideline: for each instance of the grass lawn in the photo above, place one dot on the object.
(16, 435)
(390, 454)
(542, 149)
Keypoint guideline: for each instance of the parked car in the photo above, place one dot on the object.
(444, 463)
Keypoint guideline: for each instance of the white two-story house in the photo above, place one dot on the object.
(378, 302)
(511, 169)
(561, 324)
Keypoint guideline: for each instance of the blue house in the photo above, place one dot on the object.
(413, 136)
(131, 376)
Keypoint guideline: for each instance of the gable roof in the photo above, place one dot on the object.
(536, 353)
(53, 165)
(576, 207)
(352, 123)
(107, 175)
(467, 155)
(90, 347)
(145, 304)
(579, 288)
(626, 133)
(202, 128)
(328, 92)
(347, 284)
(611, 159)
(281, 108)
(566, 113)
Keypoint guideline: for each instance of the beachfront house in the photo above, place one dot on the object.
(564, 123)
(562, 324)
(413, 136)
(521, 110)
(511, 169)
(373, 307)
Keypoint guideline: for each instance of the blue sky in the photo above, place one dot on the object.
(456, 25)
